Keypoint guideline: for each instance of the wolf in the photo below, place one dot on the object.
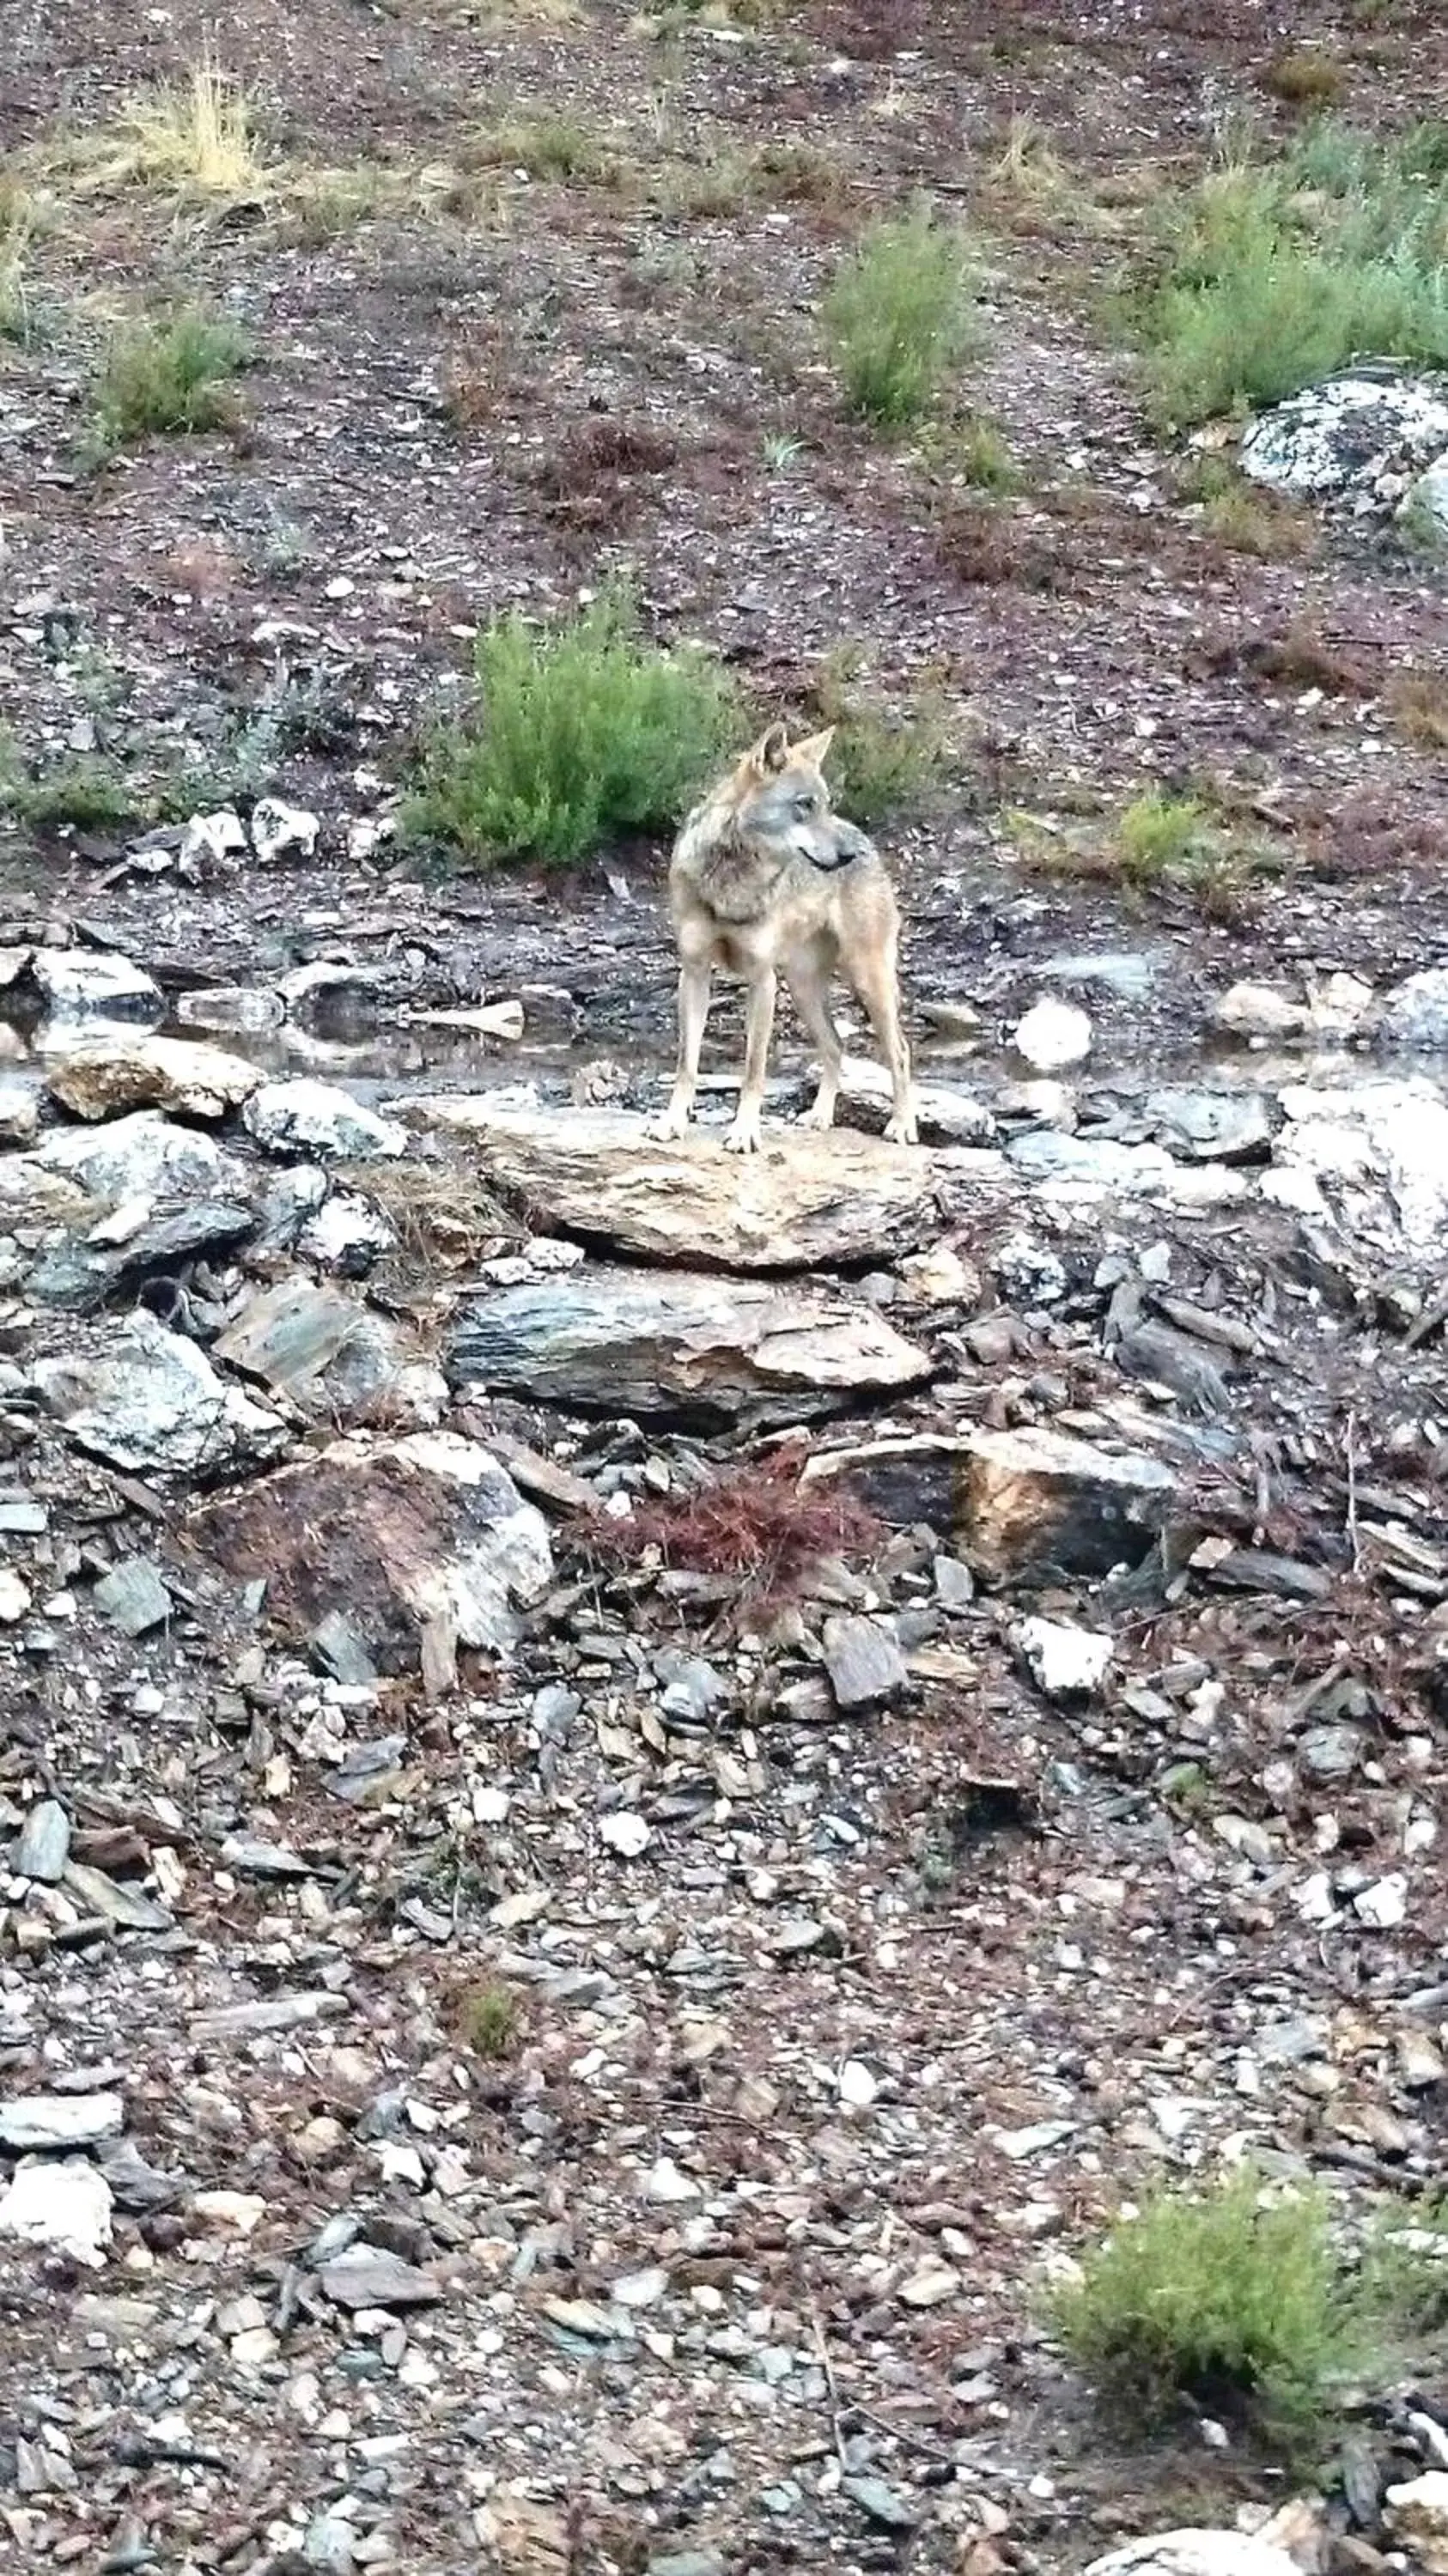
(766, 881)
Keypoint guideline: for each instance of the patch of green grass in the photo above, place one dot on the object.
(1158, 835)
(579, 734)
(84, 793)
(899, 317)
(973, 452)
(169, 377)
(883, 764)
(1243, 2302)
(550, 147)
(1244, 517)
(490, 2019)
(1276, 274)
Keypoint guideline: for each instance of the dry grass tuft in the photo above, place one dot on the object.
(757, 1524)
(195, 138)
(1418, 705)
(442, 1214)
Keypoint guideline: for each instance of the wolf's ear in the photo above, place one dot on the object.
(814, 747)
(771, 752)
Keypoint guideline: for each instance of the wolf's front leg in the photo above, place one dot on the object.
(693, 1017)
(743, 1135)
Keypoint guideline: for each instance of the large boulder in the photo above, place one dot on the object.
(1363, 438)
(1025, 1506)
(143, 1397)
(419, 1545)
(711, 1351)
(807, 1200)
(108, 1075)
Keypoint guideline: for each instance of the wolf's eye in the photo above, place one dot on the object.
(806, 804)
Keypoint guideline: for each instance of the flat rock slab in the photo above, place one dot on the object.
(1196, 2553)
(31, 2121)
(713, 1351)
(368, 2276)
(806, 1201)
(112, 1074)
(1024, 1505)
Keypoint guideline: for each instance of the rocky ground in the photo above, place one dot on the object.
(635, 1789)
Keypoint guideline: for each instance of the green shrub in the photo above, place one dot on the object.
(1158, 835)
(169, 375)
(1275, 275)
(579, 734)
(1241, 2301)
(898, 316)
(490, 2020)
(87, 792)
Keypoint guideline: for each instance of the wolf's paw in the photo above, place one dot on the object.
(818, 1119)
(668, 1127)
(902, 1131)
(743, 1137)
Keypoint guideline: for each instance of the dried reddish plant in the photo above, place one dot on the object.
(760, 1525)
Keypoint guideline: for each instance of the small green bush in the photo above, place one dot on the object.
(1277, 274)
(579, 734)
(899, 316)
(490, 2020)
(1244, 2302)
(86, 792)
(169, 375)
(1158, 835)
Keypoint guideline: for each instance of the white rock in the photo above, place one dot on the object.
(857, 2086)
(149, 1398)
(64, 2205)
(14, 1597)
(1195, 2553)
(1384, 1904)
(209, 840)
(278, 829)
(1428, 497)
(1415, 1012)
(625, 1833)
(79, 982)
(40, 2120)
(347, 1233)
(1416, 2513)
(318, 1118)
(665, 2184)
(930, 2285)
(1053, 1035)
(1313, 1899)
(142, 1156)
(1375, 1154)
(1066, 1661)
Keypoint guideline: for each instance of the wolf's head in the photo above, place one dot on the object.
(778, 800)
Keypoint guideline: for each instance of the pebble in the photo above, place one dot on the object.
(1053, 1035)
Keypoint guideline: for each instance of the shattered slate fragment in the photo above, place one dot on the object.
(43, 1843)
(367, 2276)
(864, 1663)
(134, 1596)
